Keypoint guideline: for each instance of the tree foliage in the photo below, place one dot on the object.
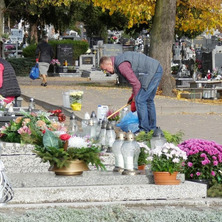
(192, 15)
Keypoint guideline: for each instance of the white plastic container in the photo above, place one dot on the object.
(102, 111)
(66, 101)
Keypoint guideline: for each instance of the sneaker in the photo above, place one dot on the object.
(138, 132)
(45, 84)
(42, 84)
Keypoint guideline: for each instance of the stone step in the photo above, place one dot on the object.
(108, 193)
(88, 178)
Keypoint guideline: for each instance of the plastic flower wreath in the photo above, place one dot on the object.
(204, 159)
(167, 158)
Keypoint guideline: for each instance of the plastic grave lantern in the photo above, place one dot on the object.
(116, 149)
(158, 138)
(102, 134)
(110, 137)
(130, 151)
(73, 127)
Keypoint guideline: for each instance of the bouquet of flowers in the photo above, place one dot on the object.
(55, 62)
(167, 158)
(115, 117)
(75, 98)
(58, 112)
(29, 128)
(204, 159)
(60, 150)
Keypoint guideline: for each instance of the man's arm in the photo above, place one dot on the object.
(125, 69)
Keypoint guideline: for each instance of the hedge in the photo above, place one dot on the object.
(79, 48)
(22, 66)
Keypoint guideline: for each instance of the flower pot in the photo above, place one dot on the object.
(76, 167)
(165, 178)
(141, 167)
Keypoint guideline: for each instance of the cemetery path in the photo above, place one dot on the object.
(195, 120)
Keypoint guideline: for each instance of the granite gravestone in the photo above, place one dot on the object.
(65, 52)
(207, 61)
(112, 49)
(87, 62)
(217, 57)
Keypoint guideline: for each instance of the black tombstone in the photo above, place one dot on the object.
(207, 61)
(65, 52)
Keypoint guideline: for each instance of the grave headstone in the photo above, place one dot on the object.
(87, 62)
(198, 53)
(112, 49)
(217, 57)
(177, 55)
(65, 52)
(207, 61)
(199, 41)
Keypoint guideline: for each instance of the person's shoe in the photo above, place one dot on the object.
(138, 132)
(42, 84)
(45, 84)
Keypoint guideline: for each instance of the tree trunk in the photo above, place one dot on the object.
(162, 37)
(2, 7)
(33, 33)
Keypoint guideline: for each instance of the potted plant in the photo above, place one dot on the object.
(204, 160)
(170, 138)
(166, 162)
(68, 155)
(144, 153)
(75, 98)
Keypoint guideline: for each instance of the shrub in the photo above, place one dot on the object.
(79, 47)
(22, 66)
(29, 51)
(215, 191)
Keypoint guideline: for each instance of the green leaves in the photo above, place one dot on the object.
(50, 139)
(61, 158)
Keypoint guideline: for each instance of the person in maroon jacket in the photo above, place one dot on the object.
(144, 74)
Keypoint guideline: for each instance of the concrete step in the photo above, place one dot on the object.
(97, 186)
(88, 178)
(108, 193)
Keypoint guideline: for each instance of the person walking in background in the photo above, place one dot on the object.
(44, 54)
(144, 74)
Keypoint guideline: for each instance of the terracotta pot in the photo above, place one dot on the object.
(142, 167)
(76, 167)
(165, 178)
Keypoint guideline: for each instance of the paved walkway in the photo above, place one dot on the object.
(195, 120)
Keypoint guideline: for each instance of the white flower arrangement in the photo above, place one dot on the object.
(78, 142)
